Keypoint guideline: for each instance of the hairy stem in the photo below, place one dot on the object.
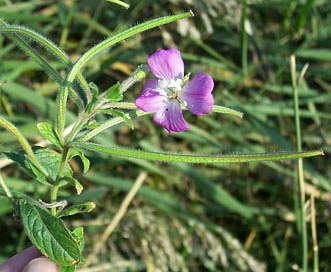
(203, 159)
(5, 188)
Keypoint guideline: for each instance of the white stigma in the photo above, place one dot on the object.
(171, 88)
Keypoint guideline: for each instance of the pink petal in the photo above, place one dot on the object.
(166, 64)
(171, 118)
(198, 94)
(151, 99)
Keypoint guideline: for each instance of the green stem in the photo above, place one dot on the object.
(54, 193)
(81, 121)
(201, 159)
(5, 188)
(300, 174)
(63, 95)
(244, 39)
(314, 234)
(63, 162)
(110, 123)
(120, 105)
(55, 187)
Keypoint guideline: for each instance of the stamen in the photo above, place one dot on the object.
(171, 88)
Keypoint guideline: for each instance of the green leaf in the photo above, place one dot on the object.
(225, 110)
(321, 54)
(49, 235)
(72, 181)
(39, 175)
(20, 157)
(78, 234)
(49, 134)
(81, 155)
(49, 160)
(64, 268)
(114, 93)
(198, 158)
(76, 209)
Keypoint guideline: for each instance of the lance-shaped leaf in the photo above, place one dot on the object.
(49, 235)
(198, 158)
(76, 209)
(49, 134)
(72, 181)
(20, 157)
(77, 152)
(49, 160)
(78, 234)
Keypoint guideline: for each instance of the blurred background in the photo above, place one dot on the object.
(222, 217)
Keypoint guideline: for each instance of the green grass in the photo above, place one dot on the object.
(220, 217)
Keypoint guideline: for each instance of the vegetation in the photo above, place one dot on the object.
(270, 60)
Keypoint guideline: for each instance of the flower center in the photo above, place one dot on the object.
(172, 88)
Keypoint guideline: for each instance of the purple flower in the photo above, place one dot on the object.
(171, 89)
